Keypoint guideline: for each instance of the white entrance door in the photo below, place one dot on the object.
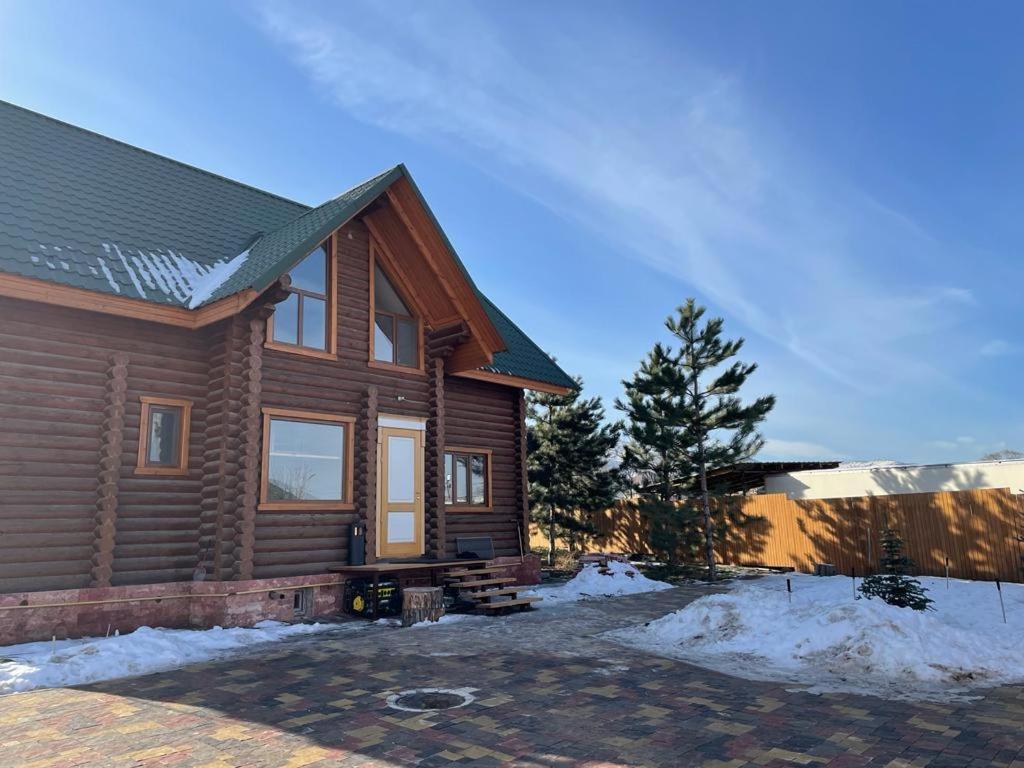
(400, 493)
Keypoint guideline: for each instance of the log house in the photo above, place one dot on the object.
(203, 386)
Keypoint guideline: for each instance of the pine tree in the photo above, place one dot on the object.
(893, 585)
(569, 449)
(686, 402)
(656, 457)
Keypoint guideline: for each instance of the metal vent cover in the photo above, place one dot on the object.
(431, 699)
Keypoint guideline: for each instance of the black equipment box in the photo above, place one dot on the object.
(360, 595)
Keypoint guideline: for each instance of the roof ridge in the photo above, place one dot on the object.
(314, 208)
(157, 155)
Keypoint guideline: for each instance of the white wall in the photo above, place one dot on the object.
(886, 481)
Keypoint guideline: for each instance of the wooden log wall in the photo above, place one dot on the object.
(300, 542)
(483, 415)
(434, 463)
(74, 513)
(158, 515)
(111, 440)
(519, 460)
(366, 478)
(251, 424)
(215, 557)
(55, 366)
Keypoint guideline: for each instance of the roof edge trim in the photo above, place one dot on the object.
(44, 292)
(282, 265)
(515, 381)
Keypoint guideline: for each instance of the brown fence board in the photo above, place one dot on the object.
(980, 531)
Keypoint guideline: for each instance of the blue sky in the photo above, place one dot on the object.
(840, 181)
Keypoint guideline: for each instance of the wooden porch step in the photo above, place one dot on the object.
(481, 583)
(475, 571)
(520, 601)
(492, 592)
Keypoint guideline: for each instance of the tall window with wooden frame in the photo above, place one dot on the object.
(467, 478)
(397, 333)
(163, 436)
(307, 460)
(306, 321)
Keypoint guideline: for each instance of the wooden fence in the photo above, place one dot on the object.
(980, 531)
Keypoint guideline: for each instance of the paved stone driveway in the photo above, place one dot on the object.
(551, 693)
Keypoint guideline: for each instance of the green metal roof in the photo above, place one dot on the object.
(277, 251)
(87, 211)
(521, 356)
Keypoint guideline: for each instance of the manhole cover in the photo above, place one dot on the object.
(430, 699)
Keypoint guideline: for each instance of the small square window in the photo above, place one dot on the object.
(467, 478)
(163, 436)
(164, 443)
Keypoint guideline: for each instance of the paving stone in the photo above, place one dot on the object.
(551, 692)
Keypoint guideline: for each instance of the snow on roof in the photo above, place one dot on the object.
(163, 272)
(206, 286)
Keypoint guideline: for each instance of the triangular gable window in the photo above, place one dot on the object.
(396, 332)
(304, 319)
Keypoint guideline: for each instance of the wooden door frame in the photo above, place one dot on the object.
(401, 427)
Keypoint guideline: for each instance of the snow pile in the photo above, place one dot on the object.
(831, 642)
(619, 579)
(77, 662)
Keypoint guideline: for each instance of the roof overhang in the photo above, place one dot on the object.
(420, 256)
(413, 245)
(515, 381)
(30, 289)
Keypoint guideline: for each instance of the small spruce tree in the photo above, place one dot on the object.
(569, 452)
(893, 585)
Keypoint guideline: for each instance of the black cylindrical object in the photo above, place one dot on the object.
(356, 544)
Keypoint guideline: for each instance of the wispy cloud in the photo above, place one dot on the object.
(795, 449)
(656, 152)
(997, 348)
(962, 442)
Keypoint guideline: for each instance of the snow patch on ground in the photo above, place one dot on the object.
(590, 583)
(89, 660)
(448, 618)
(828, 641)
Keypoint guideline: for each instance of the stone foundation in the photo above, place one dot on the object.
(98, 611)
(525, 573)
